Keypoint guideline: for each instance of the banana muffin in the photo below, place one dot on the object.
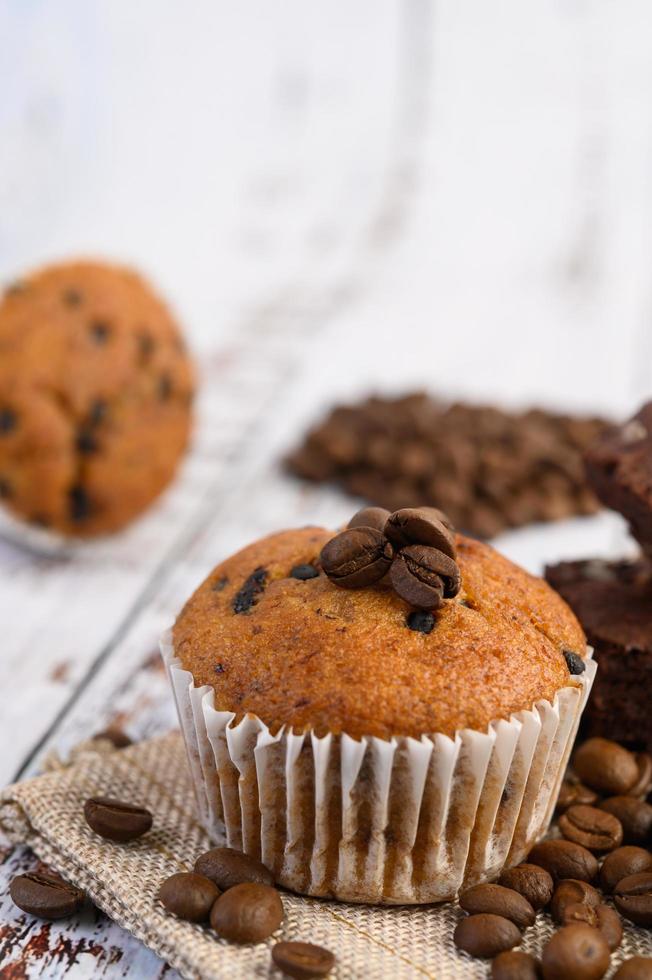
(383, 715)
(95, 397)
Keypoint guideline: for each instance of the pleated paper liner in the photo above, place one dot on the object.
(385, 822)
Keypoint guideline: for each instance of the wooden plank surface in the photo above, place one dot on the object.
(403, 193)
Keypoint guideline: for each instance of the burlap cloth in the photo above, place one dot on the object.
(122, 880)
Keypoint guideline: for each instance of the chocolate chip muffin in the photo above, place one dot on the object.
(383, 715)
(274, 636)
(95, 397)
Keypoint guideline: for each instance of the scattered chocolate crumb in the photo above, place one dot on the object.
(219, 668)
(164, 387)
(98, 412)
(220, 585)
(72, 297)
(252, 588)
(100, 332)
(86, 443)
(80, 507)
(8, 420)
(145, 346)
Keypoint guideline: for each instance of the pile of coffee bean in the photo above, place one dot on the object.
(605, 822)
(234, 893)
(488, 469)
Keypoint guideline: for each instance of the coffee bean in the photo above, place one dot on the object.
(633, 898)
(486, 935)
(634, 815)
(610, 925)
(421, 526)
(572, 892)
(599, 917)
(45, 895)
(622, 863)
(498, 900)
(423, 576)
(635, 968)
(643, 784)
(116, 820)
(302, 960)
(591, 827)
(421, 621)
(247, 913)
(118, 738)
(514, 965)
(100, 331)
(574, 662)
(189, 896)
(578, 952)
(357, 557)
(248, 595)
(564, 859)
(370, 517)
(228, 867)
(79, 504)
(304, 572)
(8, 420)
(606, 766)
(530, 881)
(572, 792)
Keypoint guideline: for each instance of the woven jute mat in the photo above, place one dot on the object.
(122, 880)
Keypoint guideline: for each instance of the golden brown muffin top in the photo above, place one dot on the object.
(312, 655)
(95, 391)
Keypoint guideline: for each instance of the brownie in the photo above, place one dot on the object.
(619, 469)
(613, 602)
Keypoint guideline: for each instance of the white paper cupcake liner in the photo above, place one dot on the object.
(400, 821)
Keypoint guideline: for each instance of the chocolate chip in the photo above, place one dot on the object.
(304, 572)
(356, 557)
(164, 387)
(421, 526)
(370, 517)
(116, 820)
(72, 297)
(86, 443)
(189, 896)
(45, 895)
(486, 935)
(577, 951)
(423, 576)
(228, 867)
(421, 621)
(8, 420)
(100, 331)
(574, 662)
(220, 584)
(145, 346)
(250, 591)
(302, 961)
(247, 913)
(97, 412)
(79, 503)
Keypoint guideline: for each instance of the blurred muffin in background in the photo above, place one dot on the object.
(96, 393)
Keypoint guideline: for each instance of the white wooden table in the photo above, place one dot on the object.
(336, 197)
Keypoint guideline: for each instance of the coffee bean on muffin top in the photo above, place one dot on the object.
(95, 398)
(303, 651)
